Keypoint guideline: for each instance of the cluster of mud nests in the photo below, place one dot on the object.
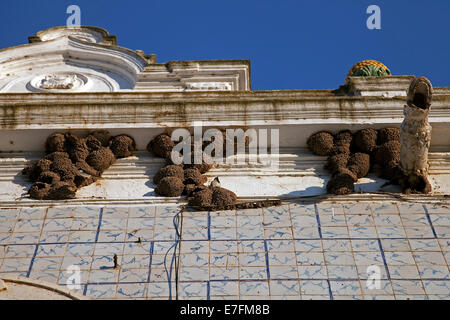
(174, 180)
(352, 156)
(72, 162)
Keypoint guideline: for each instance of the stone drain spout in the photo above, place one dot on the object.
(415, 137)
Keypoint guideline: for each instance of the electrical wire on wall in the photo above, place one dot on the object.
(175, 260)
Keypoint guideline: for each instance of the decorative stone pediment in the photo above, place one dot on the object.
(69, 60)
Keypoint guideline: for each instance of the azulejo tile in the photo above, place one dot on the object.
(85, 224)
(60, 212)
(305, 232)
(284, 287)
(429, 258)
(362, 232)
(115, 213)
(223, 222)
(142, 212)
(223, 260)
(357, 208)
(47, 263)
(101, 291)
(224, 288)
(314, 287)
(365, 245)
(249, 233)
(416, 220)
(194, 259)
(111, 236)
(407, 287)
(280, 245)
(87, 212)
(224, 273)
(410, 208)
(253, 273)
(419, 232)
(368, 258)
(104, 262)
(312, 272)
(104, 276)
(404, 272)
(304, 209)
(437, 287)
(108, 249)
(336, 245)
(384, 208)
(82, 262)
(10, 214)
(113, 223)
(424, 245)
(283, 272)
(327, 220)
(345, 287)
(437, 208)
(304, 221)
(339, 258)
(135, 290)
(439, 219)
(133, 275)
(308, 245)
(50, 276)
(395, 245)
(363, 220)
(216, 246)
(249, 222)
(335, 232)
(54, 237)
(28, 213)
(194, 274)
(443, 232)
(281, 258)
(195, 234)
(310, 258)
(223, 234)
(399, 258)
(19, 251)
(330, 209)
(136, 261)
(254, 288)
(278, 233)
(82, 236)
(391, 232)
(342, 272)
(57, 224)
(51, 250)
(7, 225)
(384, 220)
(192, 289)
(200, 221)
(160, 289)
(28, 226)
(434, 272)
(15, 265)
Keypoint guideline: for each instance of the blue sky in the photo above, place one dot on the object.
(291, 44)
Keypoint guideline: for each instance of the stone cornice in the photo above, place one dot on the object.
(155, 110)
